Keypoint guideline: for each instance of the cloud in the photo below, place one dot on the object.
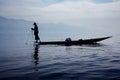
(115, 0)
(70, 12)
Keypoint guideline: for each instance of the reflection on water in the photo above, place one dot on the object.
(36, 56)
(93, 45)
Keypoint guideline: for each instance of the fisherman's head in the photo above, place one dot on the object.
(34, 23)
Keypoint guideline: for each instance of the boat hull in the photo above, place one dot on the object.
(75, 42)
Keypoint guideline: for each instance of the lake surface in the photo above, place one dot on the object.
(21, 59)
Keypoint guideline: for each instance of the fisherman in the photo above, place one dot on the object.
(35, 29)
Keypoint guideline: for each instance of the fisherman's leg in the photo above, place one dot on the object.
(36, 39)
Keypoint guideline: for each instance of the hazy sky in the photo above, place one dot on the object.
(70, 12)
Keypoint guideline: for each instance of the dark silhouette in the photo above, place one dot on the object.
(35, 29)
(69, 42)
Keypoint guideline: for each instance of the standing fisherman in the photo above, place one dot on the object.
(35, 29)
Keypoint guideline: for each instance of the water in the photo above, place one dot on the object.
(26, 61)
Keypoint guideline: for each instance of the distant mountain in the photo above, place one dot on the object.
(13, 25)
(22, 25)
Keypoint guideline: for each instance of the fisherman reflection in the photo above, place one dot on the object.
(35, 55)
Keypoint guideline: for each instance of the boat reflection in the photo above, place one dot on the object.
(94, 45)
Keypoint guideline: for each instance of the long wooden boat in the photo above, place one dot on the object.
(75, 42)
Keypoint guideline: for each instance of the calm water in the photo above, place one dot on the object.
(25, 61)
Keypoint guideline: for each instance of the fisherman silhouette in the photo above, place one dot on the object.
(35, 29)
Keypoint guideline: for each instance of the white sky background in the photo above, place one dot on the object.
(81, 13)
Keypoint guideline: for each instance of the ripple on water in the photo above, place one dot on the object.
(63, 63)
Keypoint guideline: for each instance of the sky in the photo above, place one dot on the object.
(90, 13)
